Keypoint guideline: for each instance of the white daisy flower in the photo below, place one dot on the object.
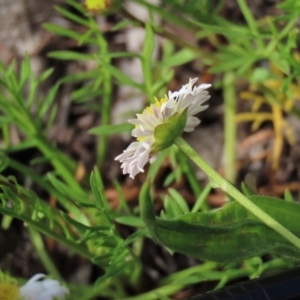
(45, 289)
(37, 288)
(189, 98)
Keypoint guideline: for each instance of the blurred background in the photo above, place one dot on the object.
(107, 63)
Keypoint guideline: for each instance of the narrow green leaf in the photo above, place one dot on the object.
(80, 76)
(179, 58)
(104, 130)
(179, 200)
(56, 29)
(25, 71)
(172, 208)
(46, 74)
(69, 15)
(70, 55)
(98, 190)
(122, 78)
(49, 100)
(130, 221)
(147, 59)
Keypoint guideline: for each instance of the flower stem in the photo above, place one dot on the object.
(39, 246)
(230, 126)
(251, 22)
(218, 181)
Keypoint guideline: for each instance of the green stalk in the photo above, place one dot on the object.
(49, 232)
(206, 57)
(181, 279)
(55, 156)
(230, 126)
(198, 269)
(274, 42)
(106, 99)
(200, 203)
(251, 22)
(218, 181)
(6, 135)
(65, 202)
(38, 244)
(156, 293)
(62, 163)
(190, 174)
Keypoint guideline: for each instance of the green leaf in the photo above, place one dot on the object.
(130, 221)
(280, 63)
(86, 93)
(98, 190)
(172, 209)
(25, 71)
(154, 168)
(147, 58)
(80, 76)
(259, 75)
(124, 24)
(138, 234)
(121, 54)
(58, 30)
(228, 234)
(69, 15)
(288, 196)
(173, 177)
(166, 133)
(70, 55)
(4, 162)
(179, 58)
(49, 100)
(227, 64)
(111, 129)
(122, 78)
(179, 200)
(46, 74)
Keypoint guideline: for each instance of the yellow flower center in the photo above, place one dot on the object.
(158, 103)
(149, 109)
(96, 5)
(9, 291)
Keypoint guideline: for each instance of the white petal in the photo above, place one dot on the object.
(192, 121)
(135, 121)
(36, 277)
(47, 289)
(135, 157)
(141, 132)
(195, 110)
(154, 158)
(192, 97)
(204, 86)
(143, 159)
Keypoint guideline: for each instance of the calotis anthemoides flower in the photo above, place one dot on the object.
(37, 288)
(160, 123)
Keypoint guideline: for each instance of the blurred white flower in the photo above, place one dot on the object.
(189, 98)
(39, 288)
(36, 288)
